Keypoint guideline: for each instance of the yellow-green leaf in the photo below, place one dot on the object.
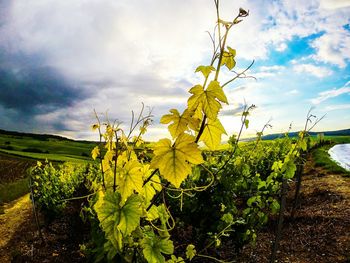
(228, 58)
(174, 161)
(115, 220)
(212, 133)
(180, 122)
(95, 126)
(95, 152)
(208, 99)
(154, 246)
(190, 251)
(130, 215)
(130, 179)
(206, 70)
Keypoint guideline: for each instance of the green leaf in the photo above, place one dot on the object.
(227, 218)
(289, 168)
(275, 206)
(209, 99)
(246, 123)
(108, 213)
(303, 144)
(115, 220)
(174, 161)
(174, 259)
(228, 58)
(190, 251)
(212, 133)
(154, 246)
(206, 70)
(130, 179)
(130, 215)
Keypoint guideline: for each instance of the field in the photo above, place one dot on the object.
(45, 147)
(324, 200)
(20, 151)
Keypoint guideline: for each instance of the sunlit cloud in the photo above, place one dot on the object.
(338, 107)
(316, 71)
(328, 94)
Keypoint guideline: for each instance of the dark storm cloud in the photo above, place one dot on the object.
(29, 88)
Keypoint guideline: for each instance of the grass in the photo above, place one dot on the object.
(13, 190)
(52, 149)
(322, 158)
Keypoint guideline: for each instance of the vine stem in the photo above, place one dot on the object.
(99, 146)
(280, 221)
(34, 210)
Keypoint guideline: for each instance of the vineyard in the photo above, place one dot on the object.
(184, 198)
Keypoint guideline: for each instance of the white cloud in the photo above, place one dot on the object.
(317, 71)
(338, 107)
(325, 95)
(333, 47)
(268, 71)
(334, 4)
(293, 92)
(272, 68)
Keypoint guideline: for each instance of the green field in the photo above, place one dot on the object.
(322, 158)
(19, 151)
(46, 147)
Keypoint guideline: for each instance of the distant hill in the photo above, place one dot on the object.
(345, 132)
(40, 137)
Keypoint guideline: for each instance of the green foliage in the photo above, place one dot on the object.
(13, 190)
(52, 185)
(153, 246)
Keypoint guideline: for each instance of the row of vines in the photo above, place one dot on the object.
(180, 199)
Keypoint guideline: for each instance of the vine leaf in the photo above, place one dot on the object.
(153, 185)
(130, 215)
(95, 152)
(130, 179)
(174, 161)
(228, 58)
(115, 220)
(212, 133)
(206, 70)
(209, 99)
(153, 247)
(190, 251)
(180, 122)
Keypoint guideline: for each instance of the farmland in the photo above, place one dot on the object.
(20, 151)
(319, 184)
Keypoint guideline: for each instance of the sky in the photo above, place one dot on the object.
(61, 60)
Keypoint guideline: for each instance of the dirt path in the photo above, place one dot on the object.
(320, 230)
(16, 214)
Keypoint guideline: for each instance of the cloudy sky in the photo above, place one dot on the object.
(60, 60)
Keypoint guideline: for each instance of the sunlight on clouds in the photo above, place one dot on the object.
(338, 107)
(333, 47)
(328, 94)
(334, 4)
(316, 71)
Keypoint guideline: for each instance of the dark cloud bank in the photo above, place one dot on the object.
(31, 89)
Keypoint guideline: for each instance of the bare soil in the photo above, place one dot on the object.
(320, 229)
(13, 168)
